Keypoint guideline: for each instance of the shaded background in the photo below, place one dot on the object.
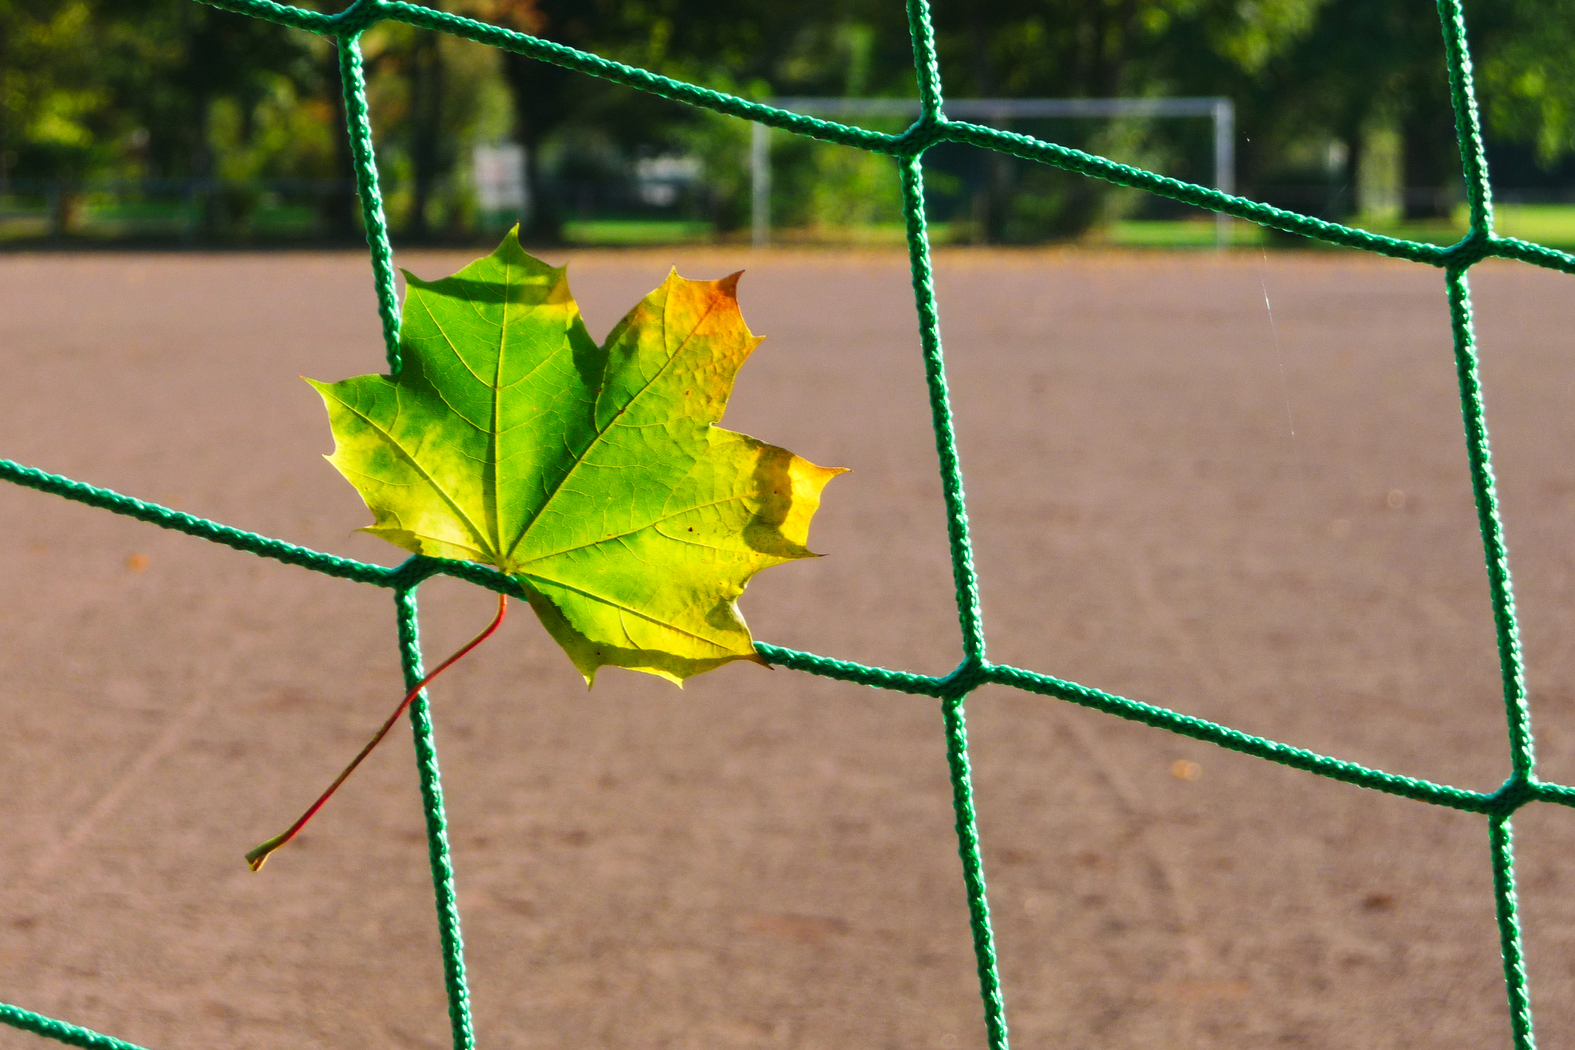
(1234, 484)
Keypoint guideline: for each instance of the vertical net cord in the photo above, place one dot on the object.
(927, 71)
(926, 66)
(973, 872)
(352, 79)
(964, 576)
(437, 825)
(967, 607)
(1511, 661)
(1507, 909)
(1479, 194)
(1468, 124)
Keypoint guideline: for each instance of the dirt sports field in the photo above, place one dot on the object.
(1258, 516)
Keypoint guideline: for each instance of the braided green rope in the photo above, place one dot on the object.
(1511, 664)
(70, 1034)
(973, 872)
(963, 574)
(353, 79)
(1507, 910)
(192, 525)
(1521, 788)
(437, 825)
(1468, 122)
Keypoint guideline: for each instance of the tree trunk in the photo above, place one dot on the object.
(534, 88)
(426, 113)
(339, 203)
(992, 199)
(1430, 157)
(5, 122)
(210, 224)
(1347, 201)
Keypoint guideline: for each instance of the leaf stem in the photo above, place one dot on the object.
(258, 856)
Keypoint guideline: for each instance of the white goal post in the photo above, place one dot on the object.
(1220, 110)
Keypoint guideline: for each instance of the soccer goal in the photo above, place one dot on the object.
(1220, 111)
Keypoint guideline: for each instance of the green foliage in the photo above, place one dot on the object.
(169, 65)
(852, 188)
(50, 106)
(1089, 48)
(591, 474)
(1097, 49)
(1527, 77)
(433, 98)
(1331, 95)
(832, 190)
(1368, 77)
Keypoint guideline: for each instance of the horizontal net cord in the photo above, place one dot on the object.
(1535, 254)
(192, 525)
(1556, 793)
(359, 16)
(1512, 795)
(290, 15)
(1471, 249)
(417, 569)
(857, 673)
(408, 573)
(61, 1031)
(967, 677)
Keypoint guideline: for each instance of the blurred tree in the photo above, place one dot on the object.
(760, 48)
(1097, 49)
(339, 205)
(172, 88)
(169, 61)
(205, 94)
(1365, 63)
(50, 107)
(409, 113)
(431, 151)
(433, 96)
(1370, 64)
(1526, 74)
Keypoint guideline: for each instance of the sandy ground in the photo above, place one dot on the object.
(1258, 514)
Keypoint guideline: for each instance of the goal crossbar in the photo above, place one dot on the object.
(1220, 110)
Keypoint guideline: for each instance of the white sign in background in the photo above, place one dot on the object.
(500, 178)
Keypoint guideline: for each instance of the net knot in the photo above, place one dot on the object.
(1470, 249)
(414, 571)
(921, 135)
(355, 19)
(417, 569)
(1511, 795)
(964, 679)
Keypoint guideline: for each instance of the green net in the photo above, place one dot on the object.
(908, 148)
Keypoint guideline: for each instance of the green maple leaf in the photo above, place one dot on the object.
(593, 475)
